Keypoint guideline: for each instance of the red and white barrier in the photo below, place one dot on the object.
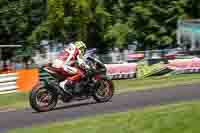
(128, 71)
(8, 83)
(121, 71)
(185, 64)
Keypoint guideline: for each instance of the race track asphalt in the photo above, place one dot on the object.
(120, 103)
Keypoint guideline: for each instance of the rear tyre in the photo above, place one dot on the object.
(105, 91)
(42, 99)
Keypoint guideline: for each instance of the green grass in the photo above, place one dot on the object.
(179, 118)
(15, 100)
(20, 100)
(156, 82)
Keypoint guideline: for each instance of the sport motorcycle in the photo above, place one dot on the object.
(94, 84)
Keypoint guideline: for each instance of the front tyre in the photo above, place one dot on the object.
(42, 99)
(104, 91)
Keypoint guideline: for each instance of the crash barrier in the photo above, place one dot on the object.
(25, 80)
(121, 71)
(185, 64)
(115, 71)
(22, 80)
(8, 83)
(173, 67)
(144, 69)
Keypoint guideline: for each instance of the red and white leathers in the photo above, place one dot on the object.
(66, 60)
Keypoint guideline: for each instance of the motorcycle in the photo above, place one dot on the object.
(95, 84)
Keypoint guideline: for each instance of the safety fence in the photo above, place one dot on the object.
(25, 80)
(22, 81)
(121, 71)
(146, 68)
(8, 83)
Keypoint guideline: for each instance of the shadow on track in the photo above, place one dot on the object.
(74, 105)
(70, 105)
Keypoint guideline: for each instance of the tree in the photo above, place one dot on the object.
(117, 34)
(52, 26)
(25, 17)
(154, 22)
(87, 20)
(193, 8)
(100, 23)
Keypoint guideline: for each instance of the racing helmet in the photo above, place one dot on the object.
(81, 46)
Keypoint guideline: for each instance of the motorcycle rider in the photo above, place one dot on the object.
(67, 59)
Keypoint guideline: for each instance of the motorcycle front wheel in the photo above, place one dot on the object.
(42, 99)
(105, 91)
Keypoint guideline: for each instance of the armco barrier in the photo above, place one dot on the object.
(122, 75)
(24, 80)
(8, 83)
(121, 71)
(27, 79)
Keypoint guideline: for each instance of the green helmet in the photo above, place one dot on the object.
(81, 46)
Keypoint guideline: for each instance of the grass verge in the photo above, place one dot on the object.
(156, 82)
(15, 100)
(20, 100)
(178, 118)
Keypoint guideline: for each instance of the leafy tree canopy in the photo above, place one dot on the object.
(100, 23)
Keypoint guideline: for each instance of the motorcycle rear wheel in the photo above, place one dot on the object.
(42, 99)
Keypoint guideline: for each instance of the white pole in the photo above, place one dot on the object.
(0, 53)
(193, 41)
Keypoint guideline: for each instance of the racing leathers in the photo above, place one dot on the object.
(66, 61)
